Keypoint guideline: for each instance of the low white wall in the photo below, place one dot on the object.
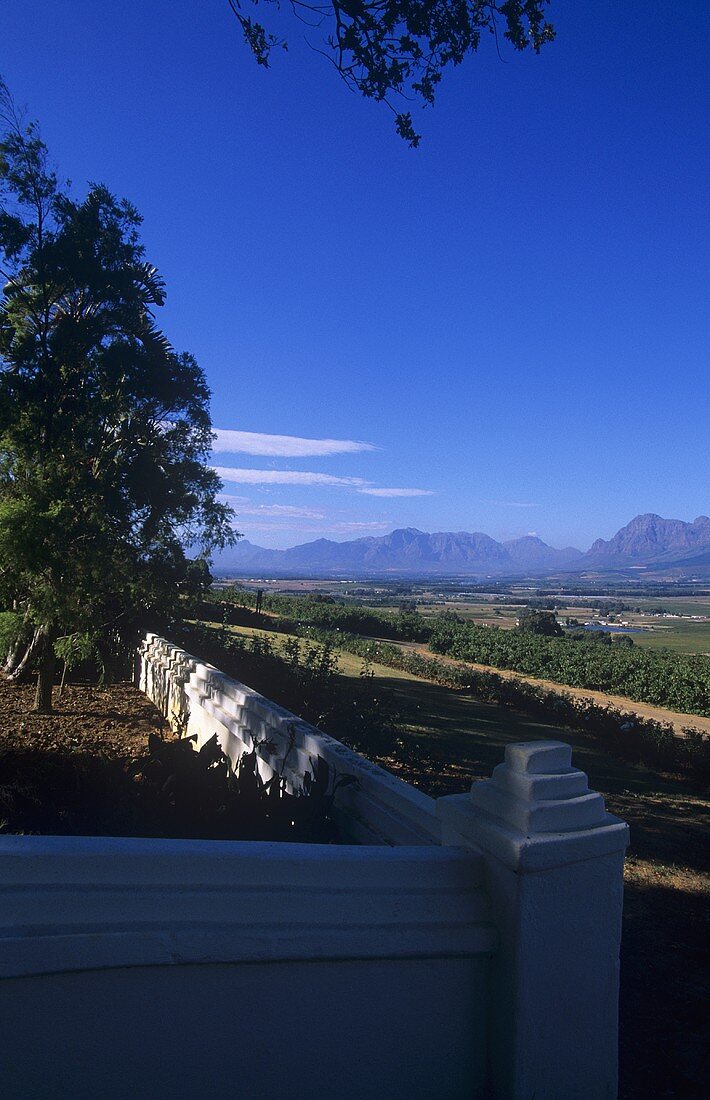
(379, 809)
(144, 968)
(467, 947)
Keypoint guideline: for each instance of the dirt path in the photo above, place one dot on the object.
(621, 702)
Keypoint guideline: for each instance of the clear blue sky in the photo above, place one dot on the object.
(514, 316)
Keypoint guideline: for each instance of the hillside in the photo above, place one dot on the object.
(651, 540)
(648, 541)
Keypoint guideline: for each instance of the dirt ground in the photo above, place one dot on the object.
(90, 750)
(76, 771)
(114, 720)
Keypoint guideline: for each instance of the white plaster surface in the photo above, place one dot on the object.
(144, 968)
(554, 872)
(463, 948)
(75, 903)
(379, 809)
(409, 1029)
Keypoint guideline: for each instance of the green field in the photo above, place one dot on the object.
(682, 635)
(679, 635)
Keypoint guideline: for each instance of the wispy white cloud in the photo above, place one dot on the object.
(513, 503)
(283, 446)
(397, 492)
(282, 511)
(280, 525)
(361, 525)
(311, 527)
(284, 477)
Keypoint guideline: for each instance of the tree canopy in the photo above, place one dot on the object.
(400, 48)
(104, 428)
(533, 621)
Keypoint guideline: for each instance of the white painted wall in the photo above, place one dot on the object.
(463, 948)
(147, 968)
(554, 872)
(380, 809)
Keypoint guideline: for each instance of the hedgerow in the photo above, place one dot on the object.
(624, 733)
(678, 681)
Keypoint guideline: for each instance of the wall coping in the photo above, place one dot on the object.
(82, 903)
(381, 809)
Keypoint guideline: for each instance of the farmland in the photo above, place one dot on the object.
(447, 737)
(596, 660)
(680, 623)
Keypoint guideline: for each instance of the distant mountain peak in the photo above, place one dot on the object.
(648, 539)
(404, 550)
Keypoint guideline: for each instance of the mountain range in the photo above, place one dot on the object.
(648, 541)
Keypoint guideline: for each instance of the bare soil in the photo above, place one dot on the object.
(78, 771)
(113, 720)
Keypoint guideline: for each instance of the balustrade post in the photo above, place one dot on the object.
(554, 871)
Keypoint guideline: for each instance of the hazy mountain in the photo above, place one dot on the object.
(406, 550)
(531, 554)
(648, 540)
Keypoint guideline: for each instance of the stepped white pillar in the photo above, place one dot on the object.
(554, 868)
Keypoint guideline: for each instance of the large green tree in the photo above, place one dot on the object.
(389, 50)
(104, 429)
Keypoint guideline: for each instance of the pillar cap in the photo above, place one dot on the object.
(535, 811)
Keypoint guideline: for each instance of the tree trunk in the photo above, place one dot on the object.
(46, 665)
(22, 661)
(18, 647)
(14, 656)
(63, 679)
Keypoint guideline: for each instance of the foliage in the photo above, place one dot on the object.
(10, 626)
(294, 612)
(532, 621)
(104, 429)
(203, 795)
(624, 734)
(402, 47)
(678, 681)
(74, 649)
(595, 660)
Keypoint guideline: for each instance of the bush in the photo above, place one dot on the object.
(678, 681)
(623, 733)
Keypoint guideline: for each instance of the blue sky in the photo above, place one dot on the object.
(511, 321)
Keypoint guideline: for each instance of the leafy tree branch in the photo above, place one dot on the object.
(388, 50)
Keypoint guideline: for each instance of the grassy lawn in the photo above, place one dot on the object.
(348, 663)
(680, 635)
